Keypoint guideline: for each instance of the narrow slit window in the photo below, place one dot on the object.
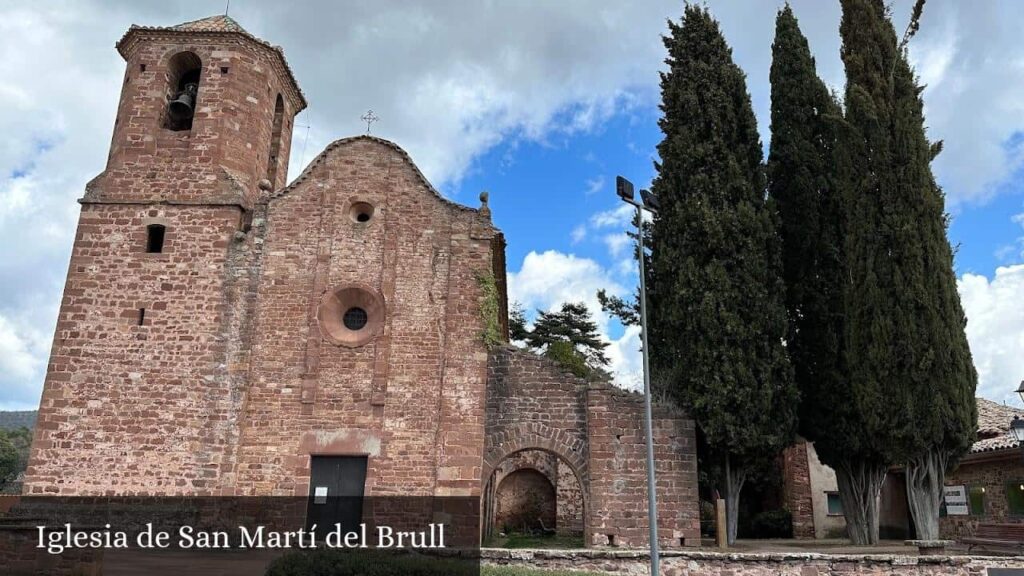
(142, 316)
(155, 234)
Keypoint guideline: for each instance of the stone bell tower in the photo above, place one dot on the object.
(148, 360)
(206, 113)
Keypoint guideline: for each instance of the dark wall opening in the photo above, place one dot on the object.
(184, 72)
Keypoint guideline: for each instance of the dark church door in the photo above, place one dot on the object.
(336, 492)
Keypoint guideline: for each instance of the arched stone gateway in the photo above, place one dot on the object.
(534, 490)
(538, 413)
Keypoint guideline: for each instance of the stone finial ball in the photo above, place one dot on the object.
(264, 185)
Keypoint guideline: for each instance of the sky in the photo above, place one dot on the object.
(539, 103)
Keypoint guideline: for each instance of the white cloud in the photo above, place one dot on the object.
(595, 185)
(549, 279)
(447, 91)
(619, 217)
(579, 233)
(617, 243)
(971, 58)
(1014, 251)
(995, 330)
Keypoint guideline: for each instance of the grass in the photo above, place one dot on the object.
(517, 540)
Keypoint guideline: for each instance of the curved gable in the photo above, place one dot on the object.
(340, 143)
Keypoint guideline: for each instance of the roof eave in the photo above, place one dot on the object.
(126, 45)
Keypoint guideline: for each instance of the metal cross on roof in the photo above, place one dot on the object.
(369, 118)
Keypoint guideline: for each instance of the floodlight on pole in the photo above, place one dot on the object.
(1020, 390)
(624, 188)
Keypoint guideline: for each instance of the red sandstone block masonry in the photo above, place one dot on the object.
(222, 362)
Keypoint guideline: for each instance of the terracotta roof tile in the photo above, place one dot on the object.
(994, 426)
(219, 23)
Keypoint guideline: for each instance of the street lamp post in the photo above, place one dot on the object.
(649, 202)
(1017, 425)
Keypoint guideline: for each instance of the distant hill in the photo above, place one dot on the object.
(13, 420)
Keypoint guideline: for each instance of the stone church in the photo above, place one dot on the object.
(224, 332)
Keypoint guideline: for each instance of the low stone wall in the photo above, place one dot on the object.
(686, 563)
(20, 557)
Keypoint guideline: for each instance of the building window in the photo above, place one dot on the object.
(976, 499)
(1015, 498)
(835, 504)
(155, 234)
(361, 212)
(355, 319)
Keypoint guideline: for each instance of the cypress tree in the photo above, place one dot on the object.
(910, 369)
(801, 181)
(805, 170)
(717, 315)
(941, 374)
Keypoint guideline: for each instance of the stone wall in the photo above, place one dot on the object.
(596, 430)
(569, 495)
(693, 563)
(19, 556)
(618, 472)
(525, 501)
(137, 391)
(992, 472)
(146, 373)
(411, 394)
(227, 150)
(796, 489)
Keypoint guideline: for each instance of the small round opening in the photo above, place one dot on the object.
(361, 212)
(354, 319)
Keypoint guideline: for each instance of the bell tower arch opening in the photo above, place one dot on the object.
(184, 72)
(275, 141)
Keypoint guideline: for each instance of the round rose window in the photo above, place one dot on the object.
(351, 316)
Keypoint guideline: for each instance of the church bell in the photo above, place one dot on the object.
(182, 107)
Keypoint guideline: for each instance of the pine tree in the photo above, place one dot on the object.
(910, 368)
(517, 322)
(570, 336)
(717, 314)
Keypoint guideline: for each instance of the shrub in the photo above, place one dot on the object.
(772, 524)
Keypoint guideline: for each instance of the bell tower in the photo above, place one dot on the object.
(205, 114)
(149, 355)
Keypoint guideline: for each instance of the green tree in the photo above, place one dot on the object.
(805, 170)
(569, 335)
(14, 451)
(717, 316)
(910, 368)
(517, 330)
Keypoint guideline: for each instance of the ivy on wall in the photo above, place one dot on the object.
(489, 309)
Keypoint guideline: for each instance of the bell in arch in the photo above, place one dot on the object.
(182, 107)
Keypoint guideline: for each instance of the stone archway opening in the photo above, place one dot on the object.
(534, 493)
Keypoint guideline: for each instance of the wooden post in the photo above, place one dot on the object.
(721, 527)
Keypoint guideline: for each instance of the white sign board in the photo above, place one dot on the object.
(956, 500)
(320, 495)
